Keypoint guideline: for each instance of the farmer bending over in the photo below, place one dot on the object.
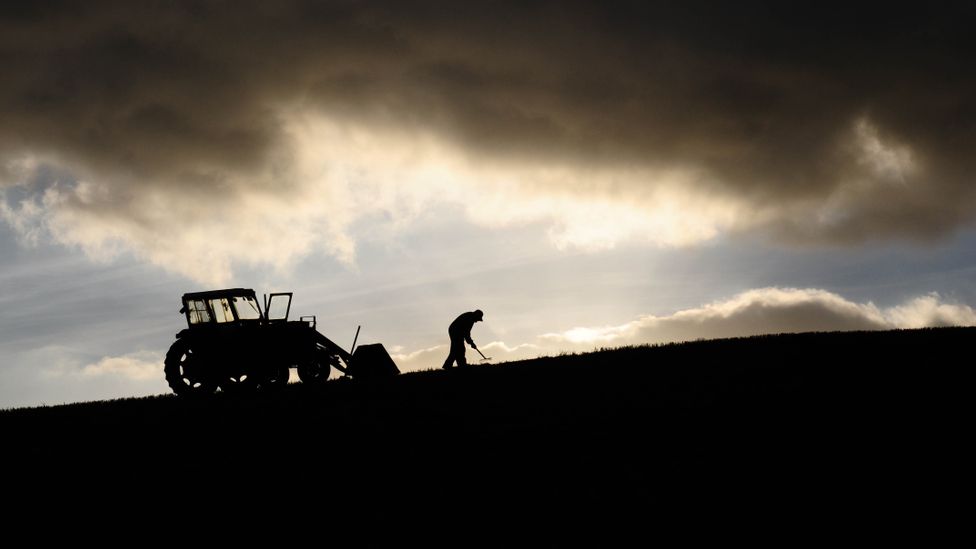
(460, 331)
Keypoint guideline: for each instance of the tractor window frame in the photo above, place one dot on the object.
(272, 304)
(225, 312)
(197, 312)
(253, 312)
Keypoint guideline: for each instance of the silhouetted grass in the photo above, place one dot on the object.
(786, 421)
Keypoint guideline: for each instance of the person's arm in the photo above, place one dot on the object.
(470, 342)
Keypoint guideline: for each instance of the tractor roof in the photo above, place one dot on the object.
(229, 292)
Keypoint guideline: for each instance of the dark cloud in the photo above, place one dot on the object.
(835, 123)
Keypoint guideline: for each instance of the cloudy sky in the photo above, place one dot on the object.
(587, 173)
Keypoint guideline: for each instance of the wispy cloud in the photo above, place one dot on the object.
(54, 374)
(142, 365)
(769, 311)
(136, 366)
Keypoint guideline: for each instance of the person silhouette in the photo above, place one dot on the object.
(460, 331)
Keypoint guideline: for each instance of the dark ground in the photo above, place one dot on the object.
(828, 427)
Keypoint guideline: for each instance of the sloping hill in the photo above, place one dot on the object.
(787, 420)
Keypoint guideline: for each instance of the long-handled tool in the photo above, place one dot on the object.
(483, 357)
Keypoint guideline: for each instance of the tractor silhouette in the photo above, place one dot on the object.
(231, 342)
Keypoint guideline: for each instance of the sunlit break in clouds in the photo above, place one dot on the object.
(331, 175)
(628, 160)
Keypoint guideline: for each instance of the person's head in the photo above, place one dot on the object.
(479, 315)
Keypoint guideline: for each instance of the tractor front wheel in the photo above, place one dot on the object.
(317, 369)
(186, 374)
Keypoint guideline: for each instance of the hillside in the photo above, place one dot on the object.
(787, 420)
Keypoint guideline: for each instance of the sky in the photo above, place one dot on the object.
(589, 174)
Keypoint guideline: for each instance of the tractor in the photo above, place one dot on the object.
(233, 343)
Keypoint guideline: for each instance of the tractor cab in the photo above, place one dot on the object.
(235, 305)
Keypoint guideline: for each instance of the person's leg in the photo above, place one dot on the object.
(458, 352)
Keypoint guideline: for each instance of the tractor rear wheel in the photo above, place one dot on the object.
(185, 373)
(317, 369)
